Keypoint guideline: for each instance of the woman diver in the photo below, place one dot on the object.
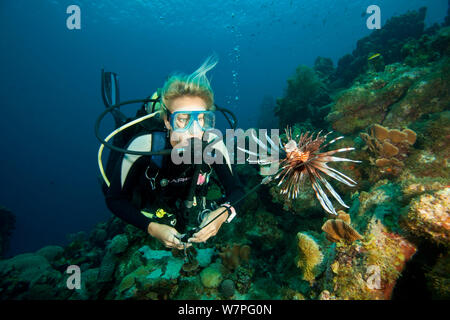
(159, 196)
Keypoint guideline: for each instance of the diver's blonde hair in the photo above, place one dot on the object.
(195, 85)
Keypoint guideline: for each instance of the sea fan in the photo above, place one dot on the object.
(305, 159)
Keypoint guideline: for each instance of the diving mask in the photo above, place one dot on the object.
(183, 120)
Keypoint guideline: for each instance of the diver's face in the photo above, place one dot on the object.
(186, 103)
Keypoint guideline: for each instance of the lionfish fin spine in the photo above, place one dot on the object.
(336, 159)
(323, 196)
(332, 191)
(328, 171)
(329, 153)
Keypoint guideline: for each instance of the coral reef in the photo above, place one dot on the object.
(431, 160)
(390, 97)
(243, 278)
(30, 276)
(211, 276)
(310, 256)
(413, 186)
(389, 147)
(426, 49)
(118, 244)
(303, 99)
(325, 70)
(370, 101)
(51, 253)
(428, 94)
(370, 270)
(323, 67)
(388, 41)
(396, 97)
(263, 228)
(429, 216)
(233, 255)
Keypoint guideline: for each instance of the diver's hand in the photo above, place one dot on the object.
(167, 235)
(211, 229)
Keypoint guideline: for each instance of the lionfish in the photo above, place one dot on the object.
(305, 159)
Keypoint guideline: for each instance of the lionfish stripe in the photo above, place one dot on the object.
(331, 152)
(319, 177)
(343, 176)
(335, 159)
(323, 199)
(281, 170)
(320, 199)
(331, 142)
(340, 174)
(284, 175)
(327, 170)
(318, 134)
(332, 191)
(322, 194)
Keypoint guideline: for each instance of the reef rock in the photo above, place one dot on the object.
(51, 253)
(30, 276)
(429, 94)
(396, 97)
(118, 244)
(364, 104)
(156, 279)
(429, 216)
(370, 271)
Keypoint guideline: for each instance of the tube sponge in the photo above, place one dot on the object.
(310, 256)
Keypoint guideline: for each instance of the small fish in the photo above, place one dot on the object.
(376, 55)
(337, 229)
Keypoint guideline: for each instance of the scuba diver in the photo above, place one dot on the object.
(145, 187)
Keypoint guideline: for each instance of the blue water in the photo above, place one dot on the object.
(50, 82)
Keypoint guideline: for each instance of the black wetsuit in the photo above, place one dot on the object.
(139, 192)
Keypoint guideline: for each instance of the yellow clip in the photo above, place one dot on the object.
(160, 213)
